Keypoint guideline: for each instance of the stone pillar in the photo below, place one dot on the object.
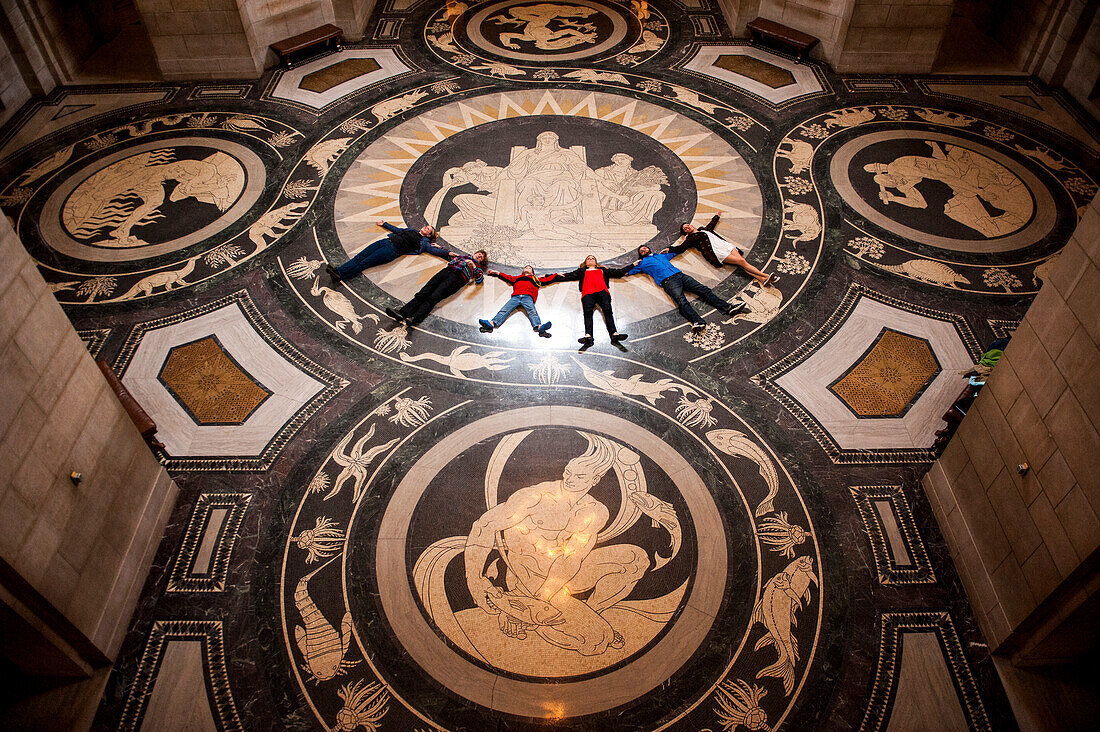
(1026, 541)
(200, 39)
(26, 67)
(73, 554)
(351, 16)
(892, 36)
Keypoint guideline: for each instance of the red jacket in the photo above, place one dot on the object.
(527, 285)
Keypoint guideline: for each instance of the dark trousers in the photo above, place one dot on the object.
(675, 285)
(379, 252)
(589, 303)
(442, 285)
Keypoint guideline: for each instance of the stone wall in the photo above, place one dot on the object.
(1026, 544)
(13, 90)
(857, 35)
(199, 39)
(825, 19)
(202, 39)
(1075, 54)
(892, 36)
(24, 67)
(73, 558)
(270, 21)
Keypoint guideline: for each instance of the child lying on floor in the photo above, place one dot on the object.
(525, 291)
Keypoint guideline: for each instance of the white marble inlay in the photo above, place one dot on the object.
(889, 522)
(287, 86)
(77, 107)
(291, 388)
(179, 699)
(926, 697)
(806, 81)
(808, 383)
(201, 563)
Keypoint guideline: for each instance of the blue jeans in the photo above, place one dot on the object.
(518, 301)
(676, 284)
(379, 252)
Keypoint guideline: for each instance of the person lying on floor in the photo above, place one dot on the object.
(460, 269)
(675, 283)
(525, 291)
(398, 242)
(718, 250)
(593, 280)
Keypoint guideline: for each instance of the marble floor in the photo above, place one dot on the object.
(718, 530)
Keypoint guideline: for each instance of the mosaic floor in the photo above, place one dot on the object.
(393, 528)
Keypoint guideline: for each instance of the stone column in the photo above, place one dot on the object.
(73, 554)
(1026, 539)
(200, 39)
(893, 36)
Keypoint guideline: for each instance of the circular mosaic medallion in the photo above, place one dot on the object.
(565, 31)
(549, 562)
(545, 178)
(943, 190)
(511, 38)
(562, 575)
(551, 190)
(152, 199)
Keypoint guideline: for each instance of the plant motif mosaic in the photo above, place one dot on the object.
(569, 570)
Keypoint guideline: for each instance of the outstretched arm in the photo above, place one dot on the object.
(389, 227)
(427, 247)
(711, 224)
(681, 247)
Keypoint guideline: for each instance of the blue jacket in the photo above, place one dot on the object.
(657, 266)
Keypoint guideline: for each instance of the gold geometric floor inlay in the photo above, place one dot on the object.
(324, 79)
(209, 384)
(757, 70)
(884, 382)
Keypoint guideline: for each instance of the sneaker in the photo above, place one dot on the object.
(773, 279)
(332, 273)
(486, 326)
(697, 328)
(544, 328)
(544, 334)
(617, 337)
(586, 341)
(736, 308)
(395, 315)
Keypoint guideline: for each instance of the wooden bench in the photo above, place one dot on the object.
(763, 29)
(326, 35)
(141, 419)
